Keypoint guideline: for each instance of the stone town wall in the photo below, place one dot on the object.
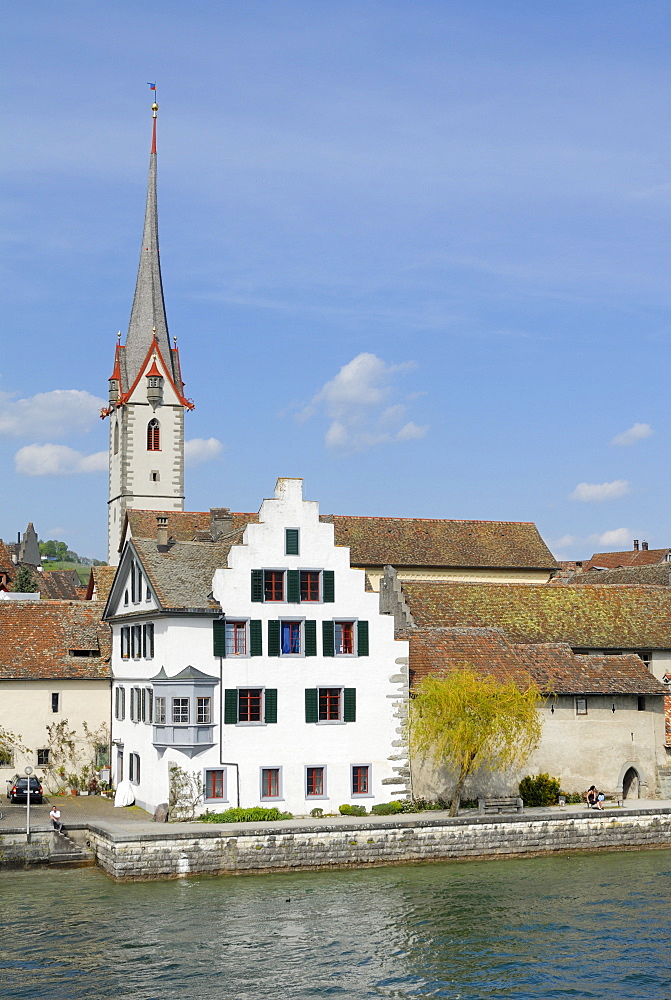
(172, 853)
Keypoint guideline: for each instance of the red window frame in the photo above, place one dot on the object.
(215, 784)
(273, 585)
(236, 638)
(270, 782)
(344, 638)
(360, 779)
(250, 704)
(153, 435)
(309, 585)
(329, 704)
(314, 781)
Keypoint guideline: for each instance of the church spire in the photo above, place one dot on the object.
(147, 318)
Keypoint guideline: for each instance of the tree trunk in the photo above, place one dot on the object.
(456, 794)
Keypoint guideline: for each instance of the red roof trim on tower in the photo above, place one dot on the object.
(154, 349)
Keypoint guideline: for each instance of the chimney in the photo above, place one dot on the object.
(644, 546)
(162, 533)
(636, 545)
(221, 522)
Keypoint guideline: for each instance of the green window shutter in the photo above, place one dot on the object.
(255, 639)
(273, 638)
(230, 707)
(291, 541)
(257, 585)
(311, 638)
(328, 639)
(362, 638)
(270, 703)
(219, 637)
(328, 586)
(311, 704)
(349, 705)
(293, 586)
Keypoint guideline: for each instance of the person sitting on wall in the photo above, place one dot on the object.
(591, 797)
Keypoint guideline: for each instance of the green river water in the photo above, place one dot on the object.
(594, 926)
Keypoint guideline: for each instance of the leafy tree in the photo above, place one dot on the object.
(24, 581)
(53, 549)
(10, 743)
(466, 721)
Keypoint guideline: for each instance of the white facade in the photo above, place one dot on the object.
(306, 706)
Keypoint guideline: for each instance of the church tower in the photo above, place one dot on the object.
(146, 395)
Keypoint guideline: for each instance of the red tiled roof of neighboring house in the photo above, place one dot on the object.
(659, 575)
(57, 585)
(376, 541)
(607, 617)
(37, 640)
(100, 583)
(6, 562)
(553, 667)
(634, 557)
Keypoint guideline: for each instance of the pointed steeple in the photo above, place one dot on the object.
(147, 318)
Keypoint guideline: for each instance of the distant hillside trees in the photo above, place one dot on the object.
(55, 551)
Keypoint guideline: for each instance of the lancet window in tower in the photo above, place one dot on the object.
(116, 438)
(153, 435)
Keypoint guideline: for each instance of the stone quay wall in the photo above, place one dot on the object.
(190, 849)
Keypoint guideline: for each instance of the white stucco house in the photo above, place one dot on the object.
(256, 658)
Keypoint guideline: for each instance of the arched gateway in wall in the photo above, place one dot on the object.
(631, 784)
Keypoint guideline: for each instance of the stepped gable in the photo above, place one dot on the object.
(597, 617)
(42, 639)
(405, 541)
(658, 575)
(554, 667)
(632, 557)
(182, 577)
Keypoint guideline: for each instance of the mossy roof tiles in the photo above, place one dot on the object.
(632, 557)
(597, 617)
(36, 638)
(376, 541)
(182, 576)
(552, 666)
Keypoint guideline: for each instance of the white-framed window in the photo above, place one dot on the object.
(134, 768)
(271, 782)
(148, 641)
(159, 710)
(203, 711)
(180, 710)
(315, 782)
(146, 705)
(136, 641)
(361, 779)
(125, 642)
(135, 695)
(214, 789)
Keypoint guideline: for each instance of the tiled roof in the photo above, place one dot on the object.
(57, 585)
(376, 541)
(633, 557)
(598, 617)
(6, 561)
(182, 576)
(36, 638)
(552, 666)
(100, 583)
(658, 575)
(183, 525)
(405, 541)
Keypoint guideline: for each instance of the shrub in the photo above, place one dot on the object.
(316, 813)
(347, 810)
(572, 798)
(387, 808)
(254, 815)
(539, 790)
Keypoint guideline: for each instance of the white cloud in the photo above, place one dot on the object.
(561, 543)
(637, 432)
(199, 450)
(57, 460)
(617, 537)
(52, 414)
(594, 492)
(360, 406)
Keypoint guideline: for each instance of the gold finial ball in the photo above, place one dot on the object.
(154, 106)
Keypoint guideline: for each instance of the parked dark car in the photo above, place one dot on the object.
(18, 790)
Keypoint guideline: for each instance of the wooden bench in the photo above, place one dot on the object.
(499, 804)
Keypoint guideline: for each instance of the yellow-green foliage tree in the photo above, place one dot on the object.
(467, 721)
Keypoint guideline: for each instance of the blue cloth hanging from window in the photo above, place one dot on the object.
(291, 637)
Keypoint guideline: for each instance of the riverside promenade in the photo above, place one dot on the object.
(127, 845)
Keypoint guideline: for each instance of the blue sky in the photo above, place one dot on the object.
(415, 253)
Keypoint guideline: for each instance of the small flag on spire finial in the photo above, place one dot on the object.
(152, 86)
